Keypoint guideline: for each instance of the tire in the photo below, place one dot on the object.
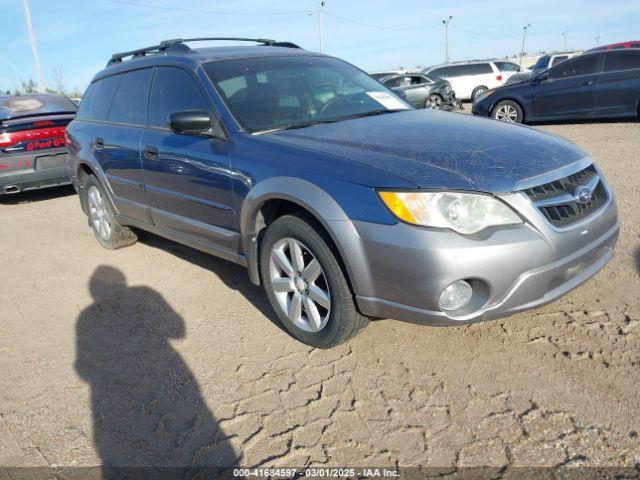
(433, 101)
(478, 91)
(508, 111)
(328, 292)
(107, 230)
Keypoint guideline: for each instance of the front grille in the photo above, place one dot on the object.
(560, 201)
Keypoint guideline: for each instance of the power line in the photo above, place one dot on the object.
(213, 12)
(379, 27)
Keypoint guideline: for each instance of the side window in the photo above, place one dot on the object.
(621, 60)
(97, 101)
(437, 72)
(393, 82)
(575, 67)
(173, 89)
(479, 69)
(455, 71)
(559, 59)
(131, 99)
(507, 67)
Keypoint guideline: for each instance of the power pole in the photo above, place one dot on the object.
(524, 37)
(446, 22)
(598, 37)
(32, 38)
(564, 40)
(322, 4)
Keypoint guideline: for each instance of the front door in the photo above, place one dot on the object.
(187, 176)
(566, 90)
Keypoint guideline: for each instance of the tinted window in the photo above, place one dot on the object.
(575, 67)
(479, 69)
(173, 89)
(391, 83)
(560, 59)
(622, 60)
(437, 72)
(96, 102)
(130, 102)
(507, 67)
(455, 71)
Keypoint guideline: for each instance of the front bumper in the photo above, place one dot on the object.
(512, 268)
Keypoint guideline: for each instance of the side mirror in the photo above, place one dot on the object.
(190, 122)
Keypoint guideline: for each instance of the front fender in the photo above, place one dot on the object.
(318, 203)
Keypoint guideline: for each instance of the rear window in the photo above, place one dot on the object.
(542, 62)
(96, 101)
(131, 99)
(622, 60)
(507, 67)
(559, 59)
(25, 105)
(479, 69)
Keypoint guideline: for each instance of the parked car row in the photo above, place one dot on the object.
(600, 84)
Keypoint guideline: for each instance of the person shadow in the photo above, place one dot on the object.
(149, 417)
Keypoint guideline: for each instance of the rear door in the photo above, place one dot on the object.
(187, 176)
(618, 85)
(566, 90)
(457, 77)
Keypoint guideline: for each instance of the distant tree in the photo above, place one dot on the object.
(59, 79)
(28, 86)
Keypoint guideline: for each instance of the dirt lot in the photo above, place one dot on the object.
(157, 354)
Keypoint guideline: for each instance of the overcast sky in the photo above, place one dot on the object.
(80, 35)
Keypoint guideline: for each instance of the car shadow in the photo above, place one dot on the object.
(232, 275)
(34, 196)
(149, 415)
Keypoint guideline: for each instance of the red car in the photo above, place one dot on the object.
(32, 141)
(618, 46)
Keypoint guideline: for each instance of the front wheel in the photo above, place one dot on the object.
(434, 101)
(508, 111)
(306, 285)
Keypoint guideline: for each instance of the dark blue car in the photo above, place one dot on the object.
(341, 200)
(593, 85)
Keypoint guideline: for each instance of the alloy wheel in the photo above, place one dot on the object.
(300, 285)
(506, 113)
(98, 213)
(434, 102)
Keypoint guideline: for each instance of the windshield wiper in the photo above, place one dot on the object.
(373, 113)
(310, 123)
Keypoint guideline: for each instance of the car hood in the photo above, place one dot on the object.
(434, 149)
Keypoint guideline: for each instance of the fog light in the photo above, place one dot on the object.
(455, 296)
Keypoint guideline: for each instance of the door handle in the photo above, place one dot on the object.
(587, 83)
(150, 152)
(98, 142)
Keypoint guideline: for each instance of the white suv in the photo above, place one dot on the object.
(471, 79)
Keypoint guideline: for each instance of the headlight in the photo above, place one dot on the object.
(463, 212)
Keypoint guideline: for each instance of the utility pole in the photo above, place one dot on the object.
(564, 40)
(524, 37)
(32, 38)
(446, 22)
(322, 4)
(598, 37)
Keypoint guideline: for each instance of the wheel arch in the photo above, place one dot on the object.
(84, 169)
(278, 196)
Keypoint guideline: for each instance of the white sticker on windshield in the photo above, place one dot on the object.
(387, 100)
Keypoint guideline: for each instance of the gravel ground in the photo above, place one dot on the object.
(159, 355)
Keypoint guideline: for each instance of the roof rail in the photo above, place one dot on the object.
(178, 45)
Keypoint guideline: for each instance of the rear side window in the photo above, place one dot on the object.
(575, 67)
(97, 100)
(130, 102)
(479, 69)
(559, 59)
(173, 89)
(507, 67)
(622, 61)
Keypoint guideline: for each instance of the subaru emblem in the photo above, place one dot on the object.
(583, 195)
